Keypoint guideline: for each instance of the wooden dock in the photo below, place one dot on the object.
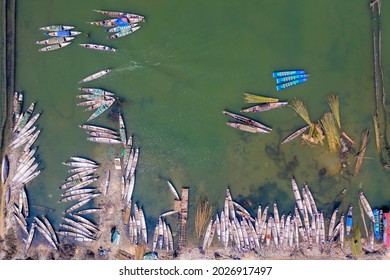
(182, 243)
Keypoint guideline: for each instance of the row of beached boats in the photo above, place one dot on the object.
(78, 189)
(162, 237)
(289, 78)
(61, 36)
(96, 99)
(137, 226)
(121, 23)
(235, 226)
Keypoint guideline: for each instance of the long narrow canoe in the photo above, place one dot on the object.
(85, 160)
(97, 128)
(349, 221)
(366, 206)
(56, 27)
(121, 14)
(63, 33)
(98, 47)
(247, 121)
(4, 169)
(332, 223)
(98, 105)
(291, 78)
(97, 91)
(103, 134)
(297, 195)
(104, 140)
(55, 40)
(122, 130)
(264, 107)
(54, 47)
(277, 74)
(99, 111)
(124, 32)
(290, 84)
(96, 75)
(121, 28)
(295, 134)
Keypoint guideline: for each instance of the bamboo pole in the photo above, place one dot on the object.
(362, 151)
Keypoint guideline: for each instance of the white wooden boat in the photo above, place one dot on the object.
(56, 27)
(173, 190)
(104, 140)
(97, 128)
(366, 206)
(98, 47)
(54, 40)
(332, 223)
(54, 47)
(297, 195)
(96, 75)
(4, 169)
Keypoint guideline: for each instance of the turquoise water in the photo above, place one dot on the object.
(187, 63)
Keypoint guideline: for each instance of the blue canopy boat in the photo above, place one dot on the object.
(377, 224)
(290, 84)
(278, 74)
(291, 78)
(349, 221)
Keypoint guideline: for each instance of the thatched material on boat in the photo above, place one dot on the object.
(331, 132)
(252, 98)
(204, 212)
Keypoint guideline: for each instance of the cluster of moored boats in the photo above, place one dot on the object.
(235, 227)
(77, 188)
(120, 23)
(290, 78)
(247, 124)
(96, 99)
(61, 36)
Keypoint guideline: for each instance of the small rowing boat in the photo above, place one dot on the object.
(349, 221)
(95, 76)
(247, 128)
(63, 33)
(290, 84)
(56, 27)
(295, 134)
(124, 32)
(104, 140)
(97, 91)
(98, 47)
(332, 223)
(97, 128)
(81, 159)
(277, 74)
(173, 190)
(130, 16)
(4, 169)
(297, 195)
(55, 40)
(264, 107)
(54, 47)
(121, 28)
(247, 121)
(366, 206)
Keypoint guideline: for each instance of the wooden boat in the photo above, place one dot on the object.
(77, 236)
(20, 222)
(77, 205)
(30, 236)
(307, 201)
(230, 203)
(80, 164)
(291, 233)
(366, 206)
(295, 134)
(51, 229)
(332, 223)
(26, 208)
(169, 213)
(17, 106)
(264, 107)
(349, 221)
(247, 121)
(296, 235)
(4, 169)
(105, 23)
(99, 111)
(77, 230)
(155, 237)
(85, 160)
(29, 124)
(124, 32)
(96, 75)
(32, 140)
(56, 27)
(98, 47)
(120, 14)
(78, 197)
(54, 40)
(311, 199)
(122, 130)
(297, 195)
(54, 47)
(286, 235)
(100, 106)
(63, 33)
(97, 91)
(97, 128)
(107, 183)
(81, 169)
(104, 140)
(276, 218)
(277, 74)
(342, 228)
(44, 231)
(170, 238)
(103, 135)
(75, 182)
(26, 156)
(121, 28)
(173, 190)
(290, 84)
(78, 191)
(144, 232)
(31, 177)
(95, 97)
(23, 139)
(306, 220)
(89, 211)
(377, 224)
(79, 226)
(269, 230)
(24, 117)
(247, 128)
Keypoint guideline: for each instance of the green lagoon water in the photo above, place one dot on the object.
(190, 61)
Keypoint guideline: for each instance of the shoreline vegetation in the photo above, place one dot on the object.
(359, 247)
